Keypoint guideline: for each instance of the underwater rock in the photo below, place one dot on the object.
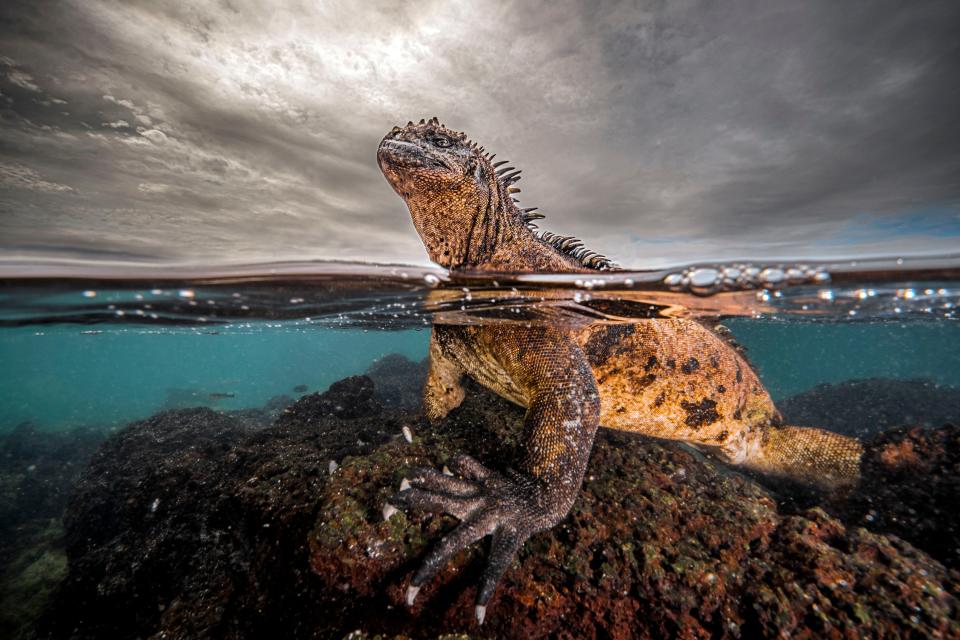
(133, 523)
(660, 543)
(351, 397)
(277, 404)
(219, 533)
(258, 418)
(862, 408)
(192, 524)
(37, 472)
(398, 380)
(910, 486)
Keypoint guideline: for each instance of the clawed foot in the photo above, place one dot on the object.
(511, 508)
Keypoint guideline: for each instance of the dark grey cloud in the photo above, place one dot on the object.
(658, 131)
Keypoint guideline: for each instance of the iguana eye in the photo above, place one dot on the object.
(442, 141)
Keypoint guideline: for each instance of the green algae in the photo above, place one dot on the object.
(30, 579)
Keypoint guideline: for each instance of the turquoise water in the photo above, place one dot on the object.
(792, 357)
(59, 377)
(63, 376)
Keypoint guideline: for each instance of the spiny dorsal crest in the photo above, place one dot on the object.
(507, 177)
(574, 248)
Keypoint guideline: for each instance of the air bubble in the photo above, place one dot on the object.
(704, 278)
(732, 273)
(673, 280)
(772, 275)
(707, 280)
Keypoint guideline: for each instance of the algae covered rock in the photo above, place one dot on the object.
(351, 397)
(38, 469)
(398, 380)
(910, 487)
(660, 543)
(191, 525)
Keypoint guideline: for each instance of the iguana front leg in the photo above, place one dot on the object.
(563, 407)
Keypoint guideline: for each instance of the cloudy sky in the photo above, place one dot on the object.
(659, 132)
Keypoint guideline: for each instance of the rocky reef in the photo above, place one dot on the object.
(398, 380)
(38, 470)
(195, 524)
(910, 487)
(864, 408)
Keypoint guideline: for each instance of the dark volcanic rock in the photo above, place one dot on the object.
(191, 524)
(398, 380)
(260, 417)
(211, 531)
(659, 544)
(862, 408)
(37, 472)
(911, 487)
(134, 533)
(351, 397)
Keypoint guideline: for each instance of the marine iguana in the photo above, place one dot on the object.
(669, 378)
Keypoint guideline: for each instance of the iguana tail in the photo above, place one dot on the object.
(817, 457)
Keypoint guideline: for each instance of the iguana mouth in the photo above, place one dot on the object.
(399, 153)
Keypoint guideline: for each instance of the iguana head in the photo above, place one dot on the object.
(463, 206)
(429, 158)
(458, 203)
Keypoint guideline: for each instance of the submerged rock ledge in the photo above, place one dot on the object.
(193, 524)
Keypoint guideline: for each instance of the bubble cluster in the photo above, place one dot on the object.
(704, 280)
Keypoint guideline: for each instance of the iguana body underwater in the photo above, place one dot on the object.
(668, 378)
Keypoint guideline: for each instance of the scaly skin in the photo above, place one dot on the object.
(667, 378)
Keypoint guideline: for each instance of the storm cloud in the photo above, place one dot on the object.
(659, 132)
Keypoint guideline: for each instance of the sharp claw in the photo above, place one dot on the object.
(388, 511)
(404, 484)
(446, 471)
(481, 613)
(412, 592)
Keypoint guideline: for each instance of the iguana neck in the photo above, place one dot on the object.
(480, 230)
